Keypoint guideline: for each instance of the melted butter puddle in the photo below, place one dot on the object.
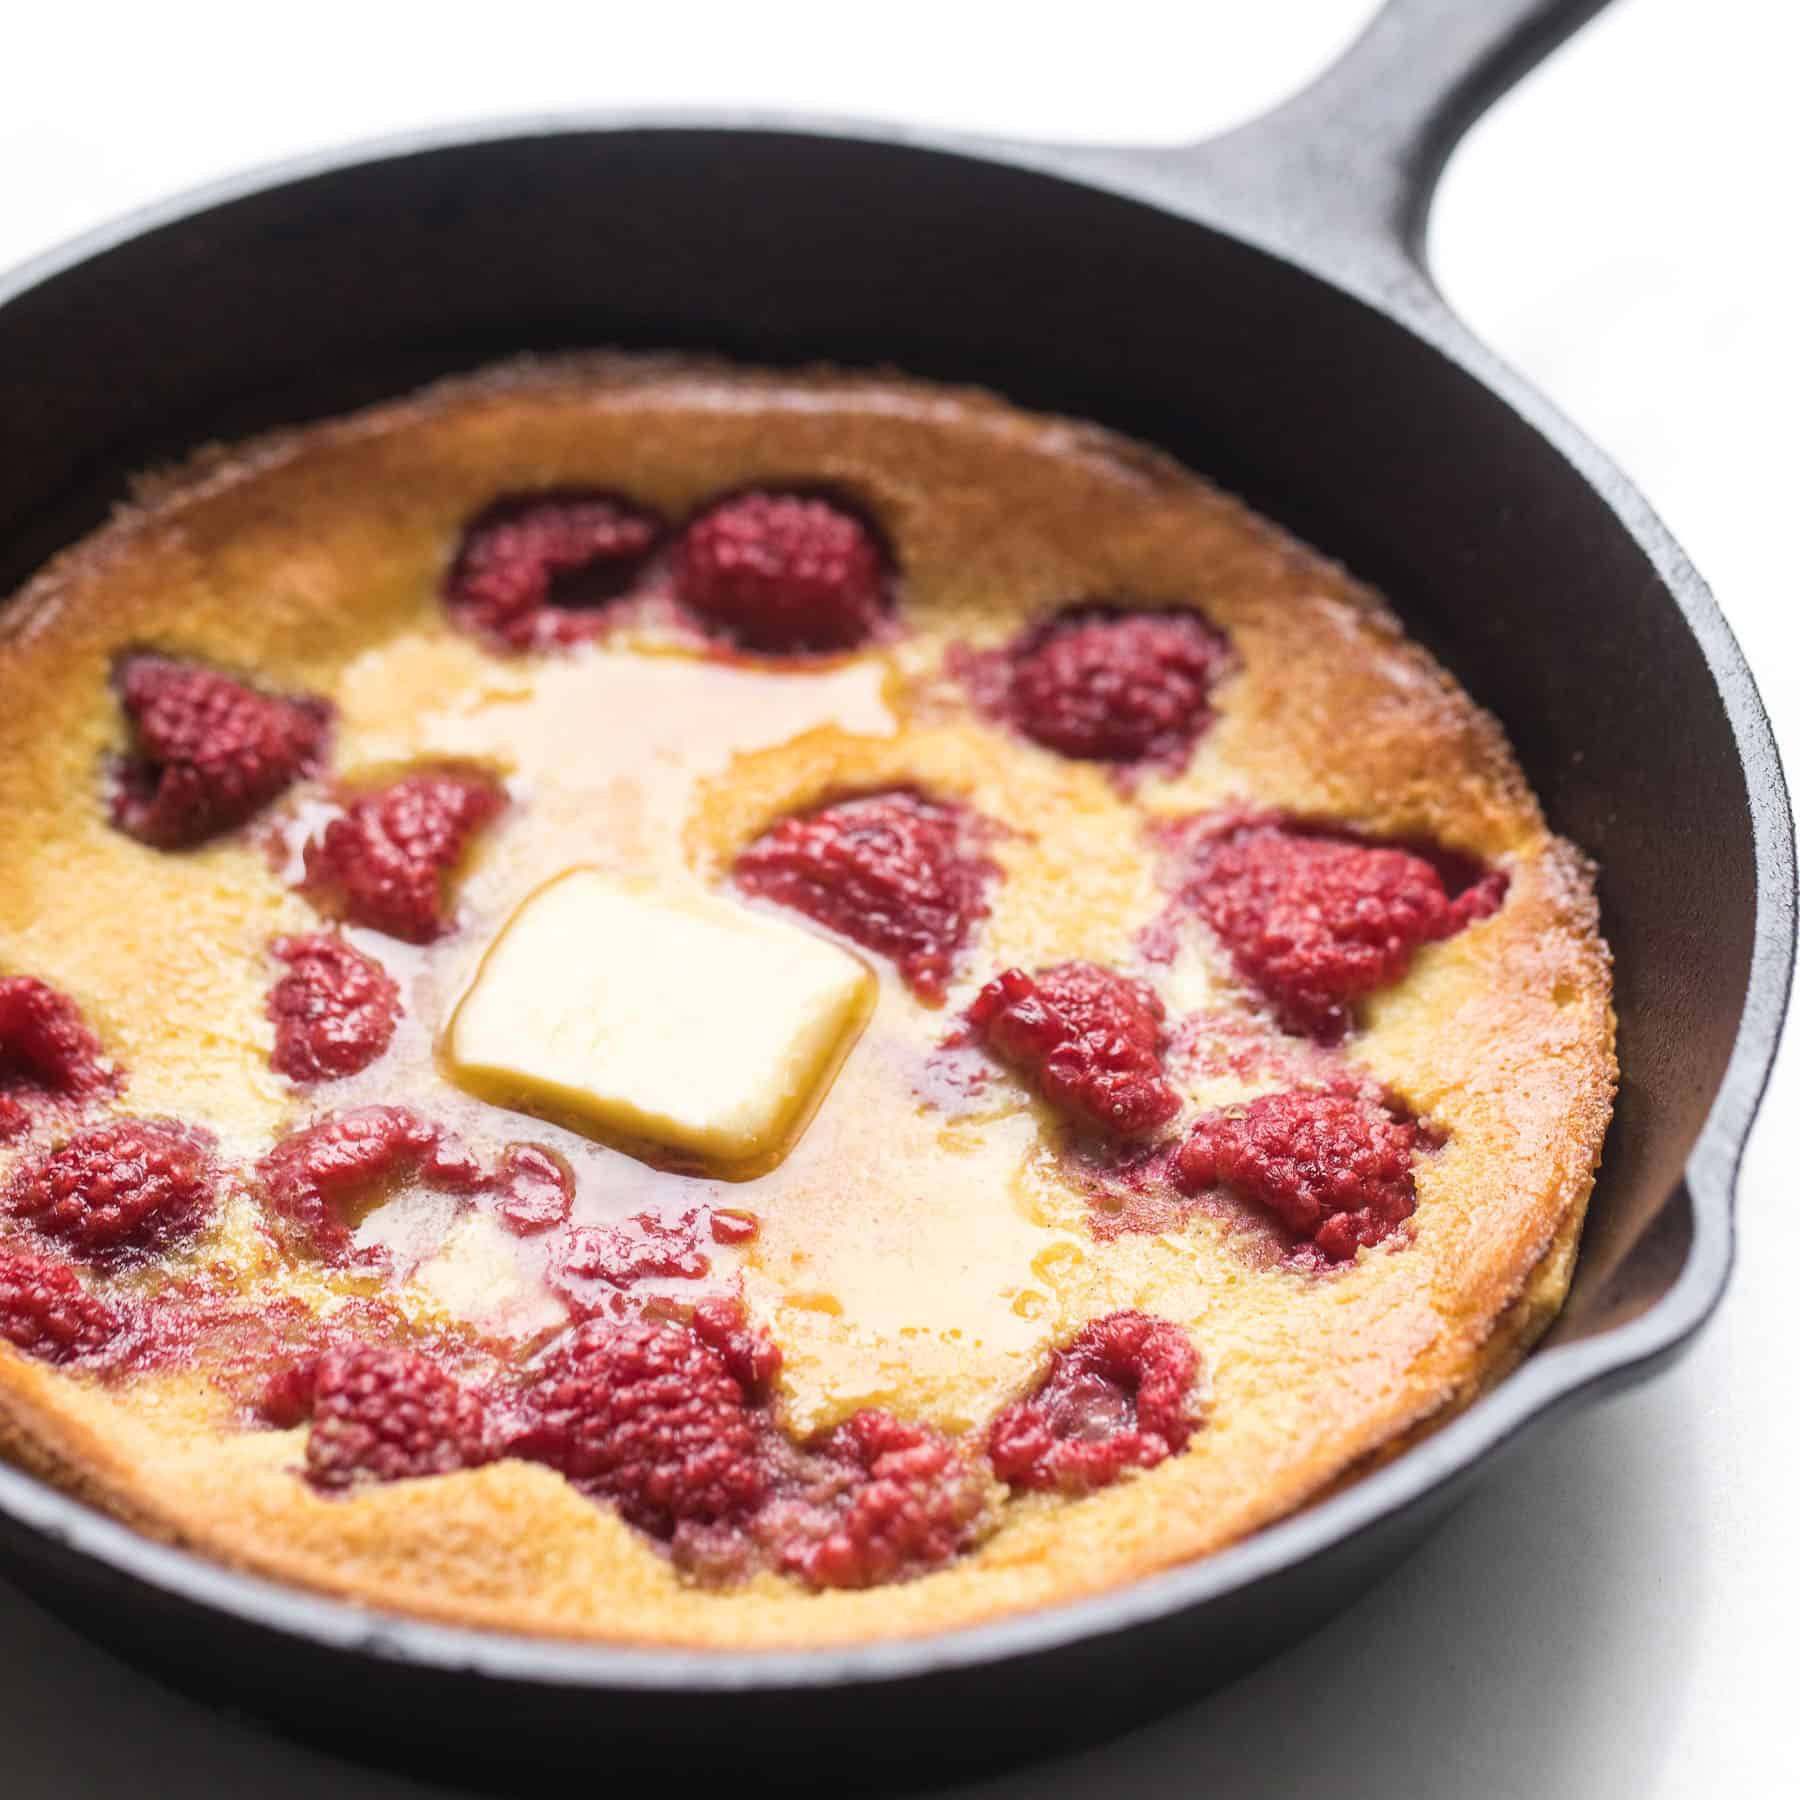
(668, 720)
(603, 751)
(889, 1271)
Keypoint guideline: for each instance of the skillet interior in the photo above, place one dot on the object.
(358, 281)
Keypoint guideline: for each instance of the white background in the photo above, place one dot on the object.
(1614, 1613)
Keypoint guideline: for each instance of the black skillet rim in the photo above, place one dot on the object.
(1548, 1383)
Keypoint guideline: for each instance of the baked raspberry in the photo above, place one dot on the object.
(48, 1054)
(387, 1413)
(1119, 687)
(752, 1356)
(334, 1011)
(783, 573)
(209, 752)
(285, 1399)
(1335, 1168)
(729, 1226)
(598, 1258)
(885, 1498)
(1118, 1396)
(296, 1339)
(47, 1313)
(535, 1188)
(1475, 892)
(118, 1190)
(318, 1178)
(386, 862)
(537, 571)
(648, 1416)
(893, 872)
(1316, 922)
(1090, 1038)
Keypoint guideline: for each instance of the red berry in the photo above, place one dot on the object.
(884, 1498)
(47, 1313)
(121, 1189)
(386, 862)
(892, 872)
(1316, 922)
(319, 1177)
(210, 752)
(536, 571)
(1091, 1038)
(536, 1189)
(292, 1336)
(1117, 687)
(1478, 894)
(596, 1261)
(389, 1414)
(1118, 1396)
(752, 1356)
(48, 1054)
(730, 1226)
(285, 1399)
(334, 1012)
(1335, 1168)
(783, 573)
(648, 1416)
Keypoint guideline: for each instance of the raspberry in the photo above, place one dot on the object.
(730, 1226)
(1334, 1168)
(386, 1413)
(1118, 1396)
(1090, 1038)
(650, 1417)
(597, 1258)
(783, 573)
(209, 753)
(315, 1178)
(536, 1189)
(752, 1356)
(47, 1313)
(290, 1335)
(1117, 687)
(536, 571)
(286, 1398)
(118, 1190)
(885, 1498)
(1316, 922)
(891, 872)
(1477, 893)
(386, 862)
(334, 1012)
(48, 1054)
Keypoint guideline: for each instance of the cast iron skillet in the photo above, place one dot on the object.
(1258, 306)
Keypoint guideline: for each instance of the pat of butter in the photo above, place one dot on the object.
(681, 1022)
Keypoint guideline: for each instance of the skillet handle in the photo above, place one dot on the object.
(1341, 175)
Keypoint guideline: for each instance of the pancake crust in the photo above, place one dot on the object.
(314, 560)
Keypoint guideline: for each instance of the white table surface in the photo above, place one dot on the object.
(1613, 1614)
